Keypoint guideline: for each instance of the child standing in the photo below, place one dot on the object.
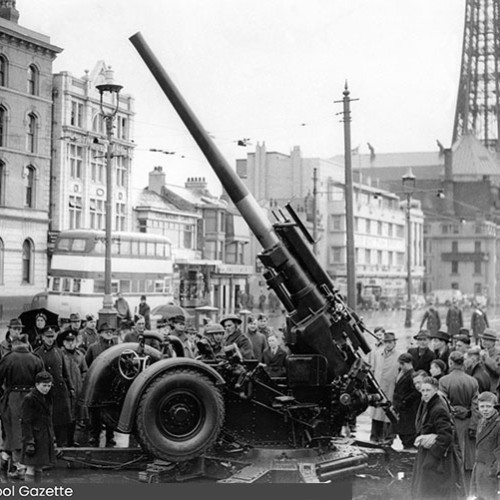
(487, 464)
(37, 427)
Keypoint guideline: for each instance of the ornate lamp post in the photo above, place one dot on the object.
(408, 188)
(108, 313)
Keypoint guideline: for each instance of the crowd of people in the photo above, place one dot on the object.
(43, 371)
(445, 389)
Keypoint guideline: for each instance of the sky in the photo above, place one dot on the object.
(269, 71)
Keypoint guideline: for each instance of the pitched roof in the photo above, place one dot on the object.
(384, 160)
(472, 159)
(153, 200)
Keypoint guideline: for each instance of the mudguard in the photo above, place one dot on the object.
(127, 416)
(102, 371)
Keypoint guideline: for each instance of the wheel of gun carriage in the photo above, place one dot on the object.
(180, 415)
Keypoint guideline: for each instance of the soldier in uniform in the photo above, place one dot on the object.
(478, 322)
(88, 335)
(454, 319)
(63, 391)
(431, 317)
(231, 324)
(18, 370)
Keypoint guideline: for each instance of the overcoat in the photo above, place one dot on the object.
(406, 400)
(18, 370)
(422, 358)
(462, 391)
(437, 471)
(77, 369)
(37, 428)
(431, 316)
(275, 363)
(62, 389)
(484, 481)
(454, 320)
(243, 343)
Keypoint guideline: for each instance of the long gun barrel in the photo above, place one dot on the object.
(320, 322)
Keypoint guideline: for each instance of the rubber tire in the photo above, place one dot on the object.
(199, 390)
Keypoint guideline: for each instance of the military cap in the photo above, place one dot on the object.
(68, 334)
(50, 331)
(441, 336)
(43, 378)
(422, 335)
(464, 331)
(462, 338)
(178, 318)
(233, 317)
(75, 317)
(105, 327)
(162, 322)
(389, 337)
(214, 329)
(489, 334)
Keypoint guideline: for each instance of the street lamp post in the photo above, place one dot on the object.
(108, 313)
(408, 188)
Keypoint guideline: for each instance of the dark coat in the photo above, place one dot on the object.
(17, 376)
(422, 360)
(133, 336)
(437, 471)
(87, 336)
(259, 344)
(443, 355)
(97, 348)
(406, 399)
(37, 428)
(243, 343)
(145, 311)
(483, 482)
(454, 320)
(433, 320)
(62, 390)
(481, 375)
(478, 322)
(77, 369)
(275, 363)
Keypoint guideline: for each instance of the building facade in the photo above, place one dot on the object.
(26, 59)
(78, 188)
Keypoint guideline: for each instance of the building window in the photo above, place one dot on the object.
(210, 217)
(2, 182)
(29, 186)
(121, 128)
(2, 252)
(27, 262)
(120, 217)
(75, 161)
(379, 257)
(477, 247)
(335, 255)
(121, 171)
(98, 123)
(454, 267)
(76, 114)
(31, 133)
(335, 222)
(188, 237)
(379, 228)
(368, 256)
(477, 267)
(368, 226)
(3, 127)
(400, 231)
(390, 258)
(454, 246)
(97, 214)
(97, 166)
(75, 212)
(33, 77)
(4, 67)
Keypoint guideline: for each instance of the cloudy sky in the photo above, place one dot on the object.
(270, 71)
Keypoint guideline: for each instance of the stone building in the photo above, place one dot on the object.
(26, 59)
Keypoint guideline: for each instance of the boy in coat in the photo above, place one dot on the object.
(36, 426)
(486, 469)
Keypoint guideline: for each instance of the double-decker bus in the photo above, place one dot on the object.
(141, 265)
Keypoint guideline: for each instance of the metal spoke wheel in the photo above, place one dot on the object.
(180, 415)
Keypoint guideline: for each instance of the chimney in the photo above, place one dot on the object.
(198, 184)
(156, 180)
(8, 10)
(448, 181)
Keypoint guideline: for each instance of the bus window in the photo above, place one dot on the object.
(150, 249)
(100, 246)
(125, 247)
(142, 286)
(114, 287)
(79, 245)
(168, 250)
(150, 286)
(56, 284)
(64, 244)
(115, 247)
(142, 248)
(125, 286)
(98, 286)
(66, 284)
(158, 286)
(77, 285)
(134, 247)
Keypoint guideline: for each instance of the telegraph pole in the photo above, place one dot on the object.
(349, 210)
(315, 210)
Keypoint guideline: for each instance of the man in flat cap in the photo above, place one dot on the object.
(490, 356)
(231, 324)
(440, 343)
(14, 331)
(385, 366)
(462, 391)
(422, 355)
(406, 400)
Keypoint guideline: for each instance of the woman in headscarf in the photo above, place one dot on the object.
(35, 333)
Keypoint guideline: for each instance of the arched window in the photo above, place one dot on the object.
(29, 185)
(4, 66)
(31, 133)
(33, 77)
(2, 252)
(28, 261)
(2, 183)
(98, 123)
(3, 127)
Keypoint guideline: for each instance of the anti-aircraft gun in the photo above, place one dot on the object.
(179, 407)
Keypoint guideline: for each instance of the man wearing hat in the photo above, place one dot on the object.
(406, 400)
(422, 355)
(17, 376)
(454, 319)
(462, 392)
(77, 369)
(14, 332)
(145, 311)
(461, 343)
(231, 324)
(107, 339)
(138, 331)
(63, 389)
(474, 368)
(88, 335)
(478, 322)
(440, 344)
(210, 346)
(385, 366)
(178, 329)
(490, 356)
